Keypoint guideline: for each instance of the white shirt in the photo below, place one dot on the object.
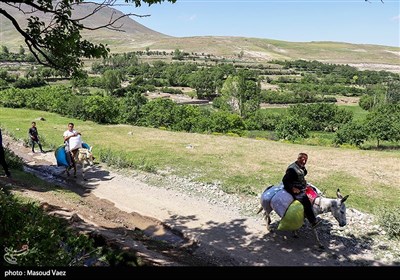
(74, 142)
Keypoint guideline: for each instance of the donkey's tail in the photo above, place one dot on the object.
(259, 210)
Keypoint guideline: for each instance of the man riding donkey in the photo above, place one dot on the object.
(73, 142)
(295, 183)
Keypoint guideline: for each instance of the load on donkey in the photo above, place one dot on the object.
(276, 198)
(82, 156)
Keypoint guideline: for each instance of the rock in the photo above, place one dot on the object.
(75, 218)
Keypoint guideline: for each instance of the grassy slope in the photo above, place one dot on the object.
(254, 49)
(265, 49)
(240, 164)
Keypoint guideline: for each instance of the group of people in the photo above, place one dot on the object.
(72, 142)
(294, 179)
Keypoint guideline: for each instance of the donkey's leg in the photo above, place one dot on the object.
(317, 239)
(83, 170)
(74, 166)
(267, 219)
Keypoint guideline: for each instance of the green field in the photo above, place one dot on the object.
(358, 113)
(240, 165)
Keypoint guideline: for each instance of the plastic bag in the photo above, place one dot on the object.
(75, 142)
(293, 218)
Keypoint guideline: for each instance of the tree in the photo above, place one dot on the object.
(353, 133)
(178, 54)
(241, 94)
(111, 80)
(292, 127)
(21, 50)
(231, 94)
(5, 50)
(204, 83)
(383, 123)
(57, 42)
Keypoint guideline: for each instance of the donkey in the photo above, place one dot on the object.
(83, 155)
(320, 205)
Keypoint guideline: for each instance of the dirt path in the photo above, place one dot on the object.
(203, 228)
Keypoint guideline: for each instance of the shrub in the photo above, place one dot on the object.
(292, 128)
(390, 221)
(352, 133)
(48, 241)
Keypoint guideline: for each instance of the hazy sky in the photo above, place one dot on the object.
(352, 21)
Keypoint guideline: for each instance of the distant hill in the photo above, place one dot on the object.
(138, 37)
(133, 30)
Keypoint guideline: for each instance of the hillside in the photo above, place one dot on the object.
(130, 29)
(138, 37)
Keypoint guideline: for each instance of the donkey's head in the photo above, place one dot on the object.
(338, 208)
(85, 155)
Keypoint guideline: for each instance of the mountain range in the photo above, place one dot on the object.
(138, 37)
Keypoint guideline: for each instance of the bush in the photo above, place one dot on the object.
(352, 133)
(263, 120)
(292, 128)
(49, 242)
(390, 221)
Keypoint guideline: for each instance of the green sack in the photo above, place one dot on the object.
(293, 218)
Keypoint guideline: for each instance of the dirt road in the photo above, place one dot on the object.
(211, 227)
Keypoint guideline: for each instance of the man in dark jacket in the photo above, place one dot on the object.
(3, 157)
(34, 135)
(295, 183)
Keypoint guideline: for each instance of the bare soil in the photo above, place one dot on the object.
(168, 226)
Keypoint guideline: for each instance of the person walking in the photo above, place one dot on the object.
(34, 137)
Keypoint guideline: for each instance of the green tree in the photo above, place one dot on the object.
(393, 92)
(293, 127)
(241, 94)
(380, 94)
(21, 50)
(130, 107)
(204, 83)
(58, 42)
(353, 133)
(111, 80)
(322, 116)
(178, 55)
(101, 109)
(230, 94)
(157, 113)
(5, 50)
(383, 123)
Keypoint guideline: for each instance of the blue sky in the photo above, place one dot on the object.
(352, 21)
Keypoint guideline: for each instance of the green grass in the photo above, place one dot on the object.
(359, 113)
(240, 165)
(367, 197)
(276, 110)
(28, 179)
